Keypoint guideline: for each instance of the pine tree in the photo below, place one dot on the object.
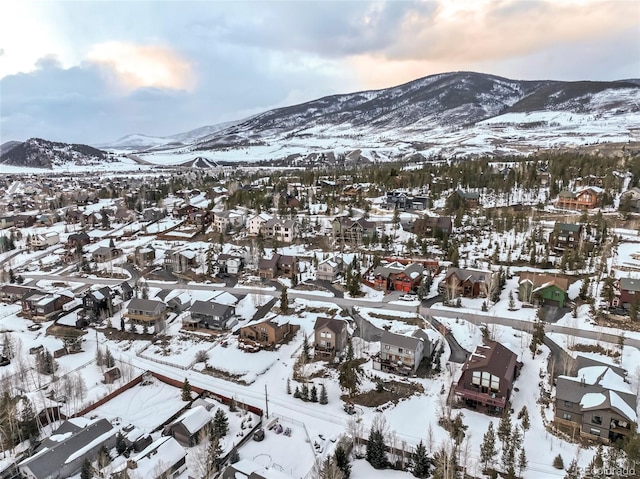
(349, 376)
(522, 461)
(87, 470)
(121, 445)
(420, 461)
(573, 471)
(376, 450)
(504, 428)
(306, 348)
(488, 449)
(109, 361)
(220, 425)
(523, 415)
(313, 394)
(304, 392)
(324, 399)
(297, 393)
(99, 357)
(214, 453)
(342, 461)
(28, 421)
(558, 462)
(186, 390)
(537, 337)
(284, 301)
(512, 303)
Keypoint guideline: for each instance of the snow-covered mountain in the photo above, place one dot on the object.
(39, 153)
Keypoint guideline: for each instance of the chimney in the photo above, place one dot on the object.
(582, 381)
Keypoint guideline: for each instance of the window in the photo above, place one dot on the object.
(475, 378)
(399, 350)
(566, 416)
(386, 346)
(568, 404)
(595, 419)
(594, 431)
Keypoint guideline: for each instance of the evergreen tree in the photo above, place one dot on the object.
(420, 461)
(304, 392)
(28, 421)
(512, 303)
(376, 450)
(573, 471)
(297, 393)
(488, 449)
(284, 301)
(324, 399)
(121, 445)
(504, 428)
(342, 461)
(313, 394)
(523, 415)
(87, 470)
(350, 372)
(132, 326)
(214, 454)
(306, 349)
(220, 425)
(186, 390)
(537, 337)
(522, 462)
(558, 462)
(109, 361)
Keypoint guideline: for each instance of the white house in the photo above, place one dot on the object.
(256, 222)
(45, 240)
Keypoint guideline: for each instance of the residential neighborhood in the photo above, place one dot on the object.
(222, 319)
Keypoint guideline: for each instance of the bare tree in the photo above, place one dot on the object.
(355, 430)
(430, 438)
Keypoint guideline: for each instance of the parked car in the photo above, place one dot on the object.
(4, 361)
(258, 435)
(409, 297)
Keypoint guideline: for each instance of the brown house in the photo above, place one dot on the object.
(147, 311)
(585, 199)
(278, 265)
(269, 333)
(567, 236)
(468, 283)
(40, 307)
(330, 338)
(487, 377)
(187, 428)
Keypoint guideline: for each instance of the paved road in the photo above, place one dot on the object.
(428, 312)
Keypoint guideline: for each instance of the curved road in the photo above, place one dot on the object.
(428, 312)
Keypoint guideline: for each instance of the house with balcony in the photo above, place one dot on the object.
(180, 261)
(598, 402)
(352, 232)
(278, 265)
(98, 304)
(433, 226)
(396, 276)
(268, 333)
(210, 315)
(149, 312)
(540, 289)
(401, 354)
(163, 458)
(105, 253)
(330, 337)
(40, 307)
(41, 241)
(226, 220)
(469, 200)
(468, 283)
(329, 269)
(255, 223)
(487, 378)
(627, 292)
(585, 199)
(279, 229)
(567, 236)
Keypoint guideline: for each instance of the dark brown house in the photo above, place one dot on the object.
(269, 333)
(487, 377)
(330, 338)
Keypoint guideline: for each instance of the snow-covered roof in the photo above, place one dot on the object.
(591, 400)
(622, 407)
(158, 457)
(195, 419)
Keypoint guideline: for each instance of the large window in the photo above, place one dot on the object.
(486, 380)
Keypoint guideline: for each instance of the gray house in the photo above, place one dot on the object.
(188, 428)
(62, 454)
(209, 315)
(400, 354)
(598, 403)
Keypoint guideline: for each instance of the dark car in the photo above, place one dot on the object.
(4, 361)
(258, 435)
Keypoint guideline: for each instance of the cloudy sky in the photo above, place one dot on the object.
(93, 71)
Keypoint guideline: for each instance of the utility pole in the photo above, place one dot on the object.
(266, 400)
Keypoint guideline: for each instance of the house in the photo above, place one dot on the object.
(150, 312)
(468, 283)
(64, 452)
(400, 354)
(41, 307)
(539, 289)
(469, 200)
(225, 220)
(630, 200)
(76, 240)
(210, 315)
(567, 236)
(247, 469)
(278, 265)
(487, 377)
(255, 223)
(433, 226)
(329, 269)
(180, 261)
(585, 199)
(144, 256)
(278, 229)
(268, 333)
(105, 253)
(398, 277)
(163, 458)
(228, 263)
(125, 291)
(598, 402)
(111, 375)
(627, 293)
(351, 231)
(13, 292)
(97, 304)
(330, 338)
(188, 429)
(401, 200)
(177, 301)
(41, 241)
